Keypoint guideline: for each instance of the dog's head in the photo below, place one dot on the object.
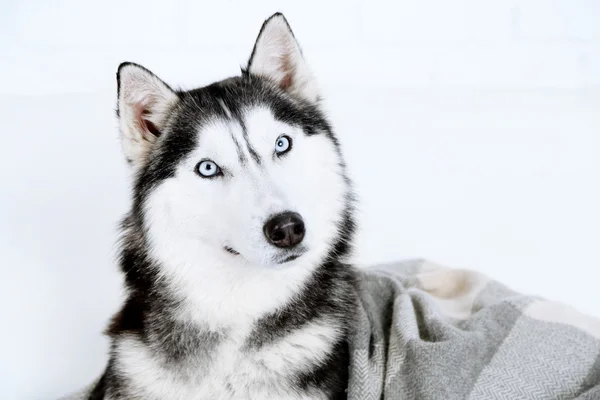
(243, 172)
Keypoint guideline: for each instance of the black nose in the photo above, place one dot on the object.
(284, 230)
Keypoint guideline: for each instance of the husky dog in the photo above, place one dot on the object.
(234, 245)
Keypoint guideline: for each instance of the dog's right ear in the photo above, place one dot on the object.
(143, 105)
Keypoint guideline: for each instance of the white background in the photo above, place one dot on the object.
(471, 128)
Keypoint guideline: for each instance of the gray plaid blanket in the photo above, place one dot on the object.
(429, 332)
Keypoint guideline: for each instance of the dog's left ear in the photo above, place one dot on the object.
(277, 56)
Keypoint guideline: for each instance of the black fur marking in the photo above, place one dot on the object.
(290, 258)
(111, 384)
(241, 156)
(99, 390)
(251, 149)
(329, 293)
(130, 319)
(331, 374)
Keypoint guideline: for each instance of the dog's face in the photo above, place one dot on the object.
(243, 172)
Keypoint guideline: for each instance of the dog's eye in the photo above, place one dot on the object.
(283, 145)
(208, 169)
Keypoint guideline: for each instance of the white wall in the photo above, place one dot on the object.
(472, 130)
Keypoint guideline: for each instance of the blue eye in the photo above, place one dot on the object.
(283, 145)
(207, 169)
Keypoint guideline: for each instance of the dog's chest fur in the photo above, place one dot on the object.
(229, 366)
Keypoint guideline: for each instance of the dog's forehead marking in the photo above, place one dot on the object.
(240, 121)
(251, 149)
(241, 156)
(225, 108)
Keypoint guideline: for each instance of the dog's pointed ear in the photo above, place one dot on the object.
(143, 106)
(277, 56)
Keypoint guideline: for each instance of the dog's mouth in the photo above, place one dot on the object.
(281, 260)
(291, 255)
(232, 251)
(289, 258)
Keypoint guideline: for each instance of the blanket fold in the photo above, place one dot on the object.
(429, 332)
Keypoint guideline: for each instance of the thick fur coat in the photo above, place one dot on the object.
(233, 249)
